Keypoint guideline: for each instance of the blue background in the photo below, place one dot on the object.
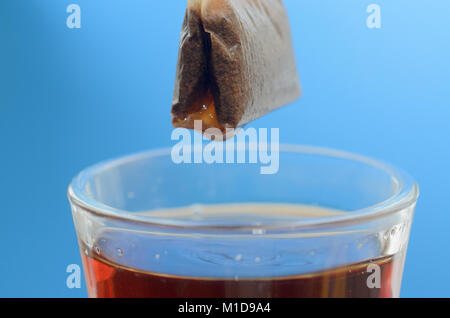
(70, 98)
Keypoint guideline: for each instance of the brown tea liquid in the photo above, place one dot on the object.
(248, 274)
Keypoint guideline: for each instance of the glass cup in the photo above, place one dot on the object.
(328, 224)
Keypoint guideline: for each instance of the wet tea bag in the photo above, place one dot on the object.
(236, 63)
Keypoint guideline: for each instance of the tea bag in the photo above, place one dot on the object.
(235, 64)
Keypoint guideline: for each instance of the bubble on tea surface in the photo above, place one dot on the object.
(394, 230)
(197, 209)
(119, 252)
(197, 212)
(258, 231)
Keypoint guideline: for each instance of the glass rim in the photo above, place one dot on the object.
(405, 196)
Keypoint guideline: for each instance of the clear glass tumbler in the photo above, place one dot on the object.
(328, 224)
